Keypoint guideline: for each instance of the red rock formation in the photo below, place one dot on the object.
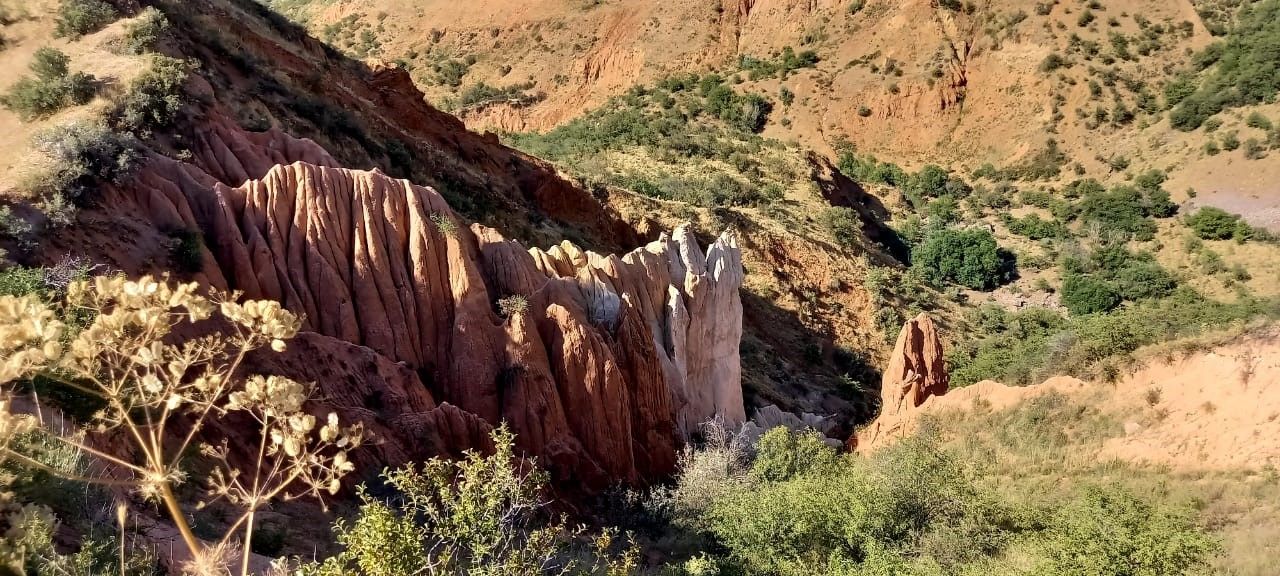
(612, 362)
(916, 371)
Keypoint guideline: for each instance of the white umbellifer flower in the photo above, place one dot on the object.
(152, 384)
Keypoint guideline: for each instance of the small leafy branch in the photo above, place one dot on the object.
(162, 392)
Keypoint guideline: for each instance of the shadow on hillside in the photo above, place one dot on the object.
(840, 190)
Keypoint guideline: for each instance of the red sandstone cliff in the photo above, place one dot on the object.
(611, 363)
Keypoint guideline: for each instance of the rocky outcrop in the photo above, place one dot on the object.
(770, 417)
(916, 371)
(600, 364)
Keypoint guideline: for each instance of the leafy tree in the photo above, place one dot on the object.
(1212, 223)
(968, 257)
(1123, 210)
(1083, 294)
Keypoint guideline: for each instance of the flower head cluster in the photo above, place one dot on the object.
(30, 336)
(151, 376)
(264, 318)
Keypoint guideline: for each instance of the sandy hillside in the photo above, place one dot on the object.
(1217, 409)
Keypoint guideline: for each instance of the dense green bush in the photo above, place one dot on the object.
(155, 97)
(1088, 295)
(1112, 273)
(967, 257)
(912, 508)
(1036, 228)
(1113, 533)
(1124, 211)
(482, 93)
(79, 17)
(783, 455)
(21, 281)
(868, 169)
(1211, 223)
(1143, 280)
(52, 88)
(780, 65)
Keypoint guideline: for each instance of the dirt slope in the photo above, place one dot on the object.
(1213, 409)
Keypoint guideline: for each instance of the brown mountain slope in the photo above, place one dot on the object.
(913, 81)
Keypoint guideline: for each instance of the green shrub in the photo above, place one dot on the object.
(51, 89)
(155, 97)
(1045, 164)
(1088, 295)
(1258, 120)
(844, 224)
(1124, 211)
(1109, 532)
(1052, 62)
(478, 515)
(782, 454)
(142, 34)
(1036, 228)
(79, 17)
(21, 281)
(856, 514)
(1254, 150)
(77, 155)
(967, 257)
(1211, 223)
(1033, 344)
(1230, 141)
(1141, 280)
(482, 93)
(781, 66)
